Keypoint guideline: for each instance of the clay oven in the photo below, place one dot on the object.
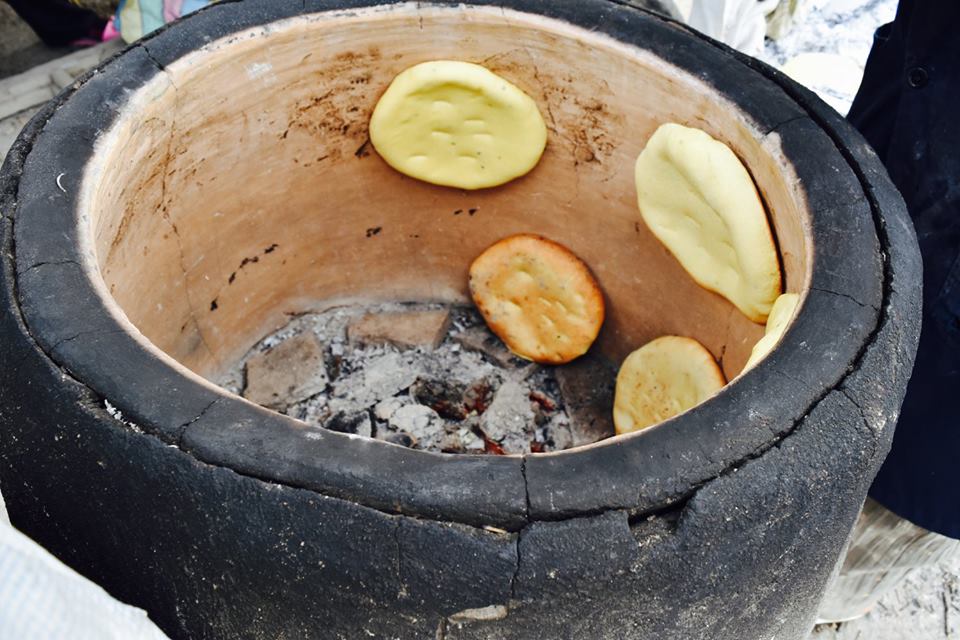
(130, 201)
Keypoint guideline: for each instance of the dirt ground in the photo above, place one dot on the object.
(925, 607)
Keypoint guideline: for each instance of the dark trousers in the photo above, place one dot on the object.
(908, 108)
(57, 22)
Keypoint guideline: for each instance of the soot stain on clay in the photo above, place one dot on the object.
(337, 114)
(363, 151)
(581, 126)
(246, 262)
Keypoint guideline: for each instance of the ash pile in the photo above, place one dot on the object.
(426, 377)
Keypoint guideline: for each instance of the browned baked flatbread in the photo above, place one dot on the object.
(539, 297)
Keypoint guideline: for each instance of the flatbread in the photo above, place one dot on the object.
(662, 379)
(538, 297)
(777, 322)
(699, 200)
(457, 124)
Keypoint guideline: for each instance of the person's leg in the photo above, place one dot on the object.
(57, 22)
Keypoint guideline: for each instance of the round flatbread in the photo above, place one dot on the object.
(539, 297)
(699, 200)
(457, 124)
(663, 378)
(777, 322)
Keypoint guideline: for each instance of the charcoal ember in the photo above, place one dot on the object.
(464, 318)
(462, 440)
(447, 398)
(313, 411)
(543, 408)
(543, 401)
(587, 386)
(451, 443)
(470, 441)
(473, 443)
(509, 421)
(454, 400)
(393, 437)
(557, 434)
(333, 359)
(479, 395)
(421, 423)
(493, 447)
(482, 340)
(543, 438)
(356, 423)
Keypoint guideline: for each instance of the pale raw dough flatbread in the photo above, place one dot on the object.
(457, 124)
(780, 317)
(538, 297)
(661, 379)
(699, 200)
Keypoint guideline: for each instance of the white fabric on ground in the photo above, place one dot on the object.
(43, 599)
(4, 518)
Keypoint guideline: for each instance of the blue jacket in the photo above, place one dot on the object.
(908, 108)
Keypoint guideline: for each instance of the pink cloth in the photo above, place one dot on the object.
(110, 32)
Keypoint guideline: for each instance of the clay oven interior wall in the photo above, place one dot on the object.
(240, 189)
